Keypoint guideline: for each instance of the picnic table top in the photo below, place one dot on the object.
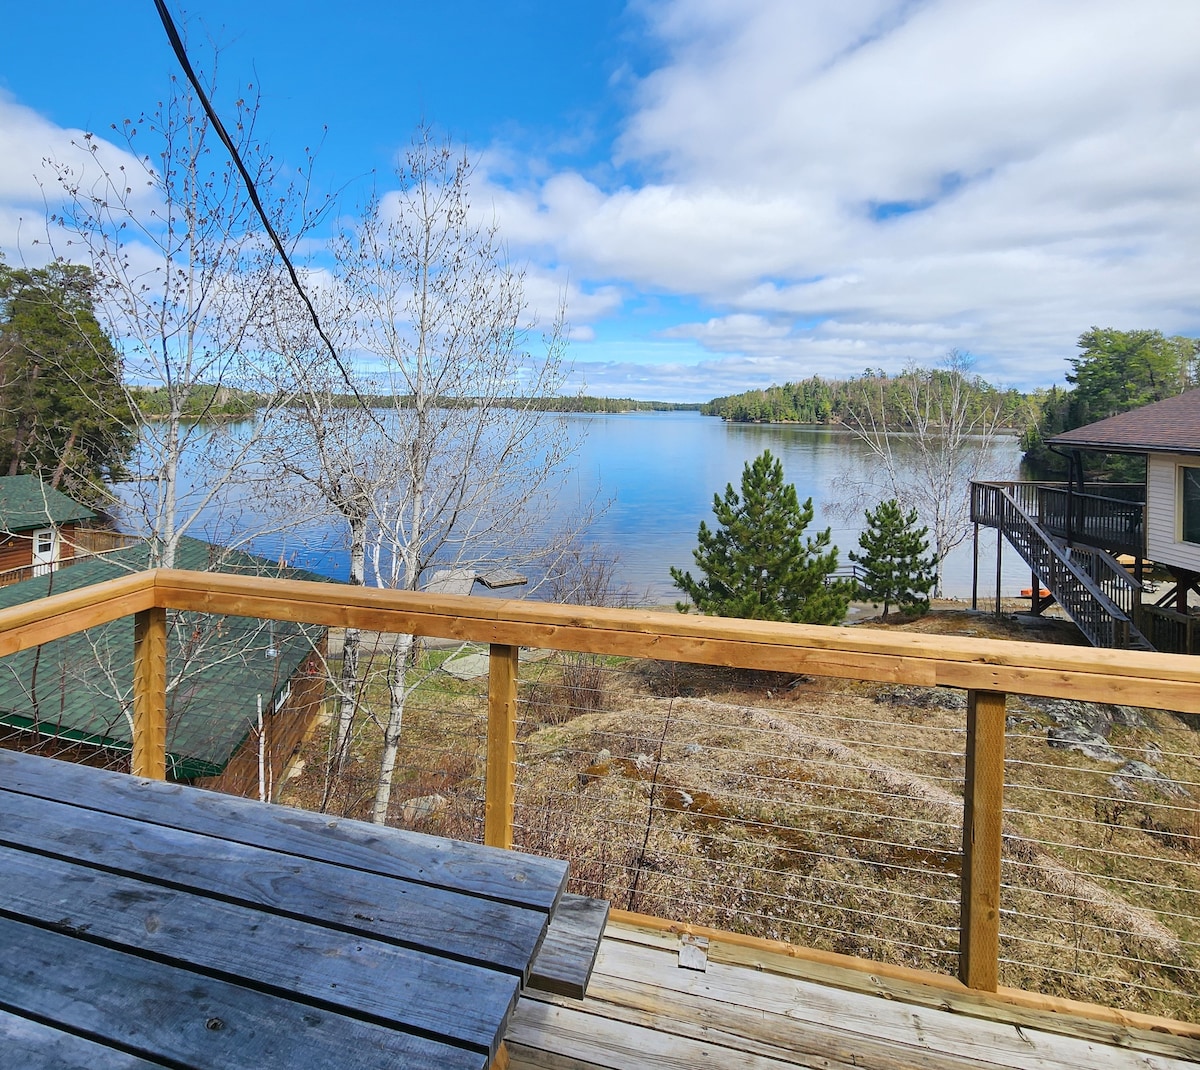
(148, 923)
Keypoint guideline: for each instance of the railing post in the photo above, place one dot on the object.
(150, 693)
(983, 819)
(501, 745)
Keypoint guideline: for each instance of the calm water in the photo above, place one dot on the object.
(659, 472)
(662, 469)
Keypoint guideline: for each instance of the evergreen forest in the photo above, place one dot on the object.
(824, 401)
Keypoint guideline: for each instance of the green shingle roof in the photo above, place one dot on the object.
(79, 687)
(27, 503)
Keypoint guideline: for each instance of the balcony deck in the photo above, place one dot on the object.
(774, 1011)
(764, 1004)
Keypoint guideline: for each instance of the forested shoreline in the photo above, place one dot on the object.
(818, 400)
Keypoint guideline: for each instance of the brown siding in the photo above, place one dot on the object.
(286, 730)
(67, 535)
(16, 551)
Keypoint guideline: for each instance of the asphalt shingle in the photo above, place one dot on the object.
(27, 503)
(79, 687)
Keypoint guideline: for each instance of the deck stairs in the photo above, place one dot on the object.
(1097, 592)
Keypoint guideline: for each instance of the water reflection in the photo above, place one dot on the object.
(658, 471)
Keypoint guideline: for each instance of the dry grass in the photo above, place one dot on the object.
(829, 813)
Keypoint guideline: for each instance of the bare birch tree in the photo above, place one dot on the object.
(928, 433)
(190, 289)
(460, 464)
(187, 283)
(328, 442)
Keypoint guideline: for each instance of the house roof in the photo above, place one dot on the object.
(27, 503)
(1168, 426)
(220, 665)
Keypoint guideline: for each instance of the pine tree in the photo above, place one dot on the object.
(756, 563)
(896, 572)
(64, 414)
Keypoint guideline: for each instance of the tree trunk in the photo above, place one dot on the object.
(351, 645)
(56, 479)
(397, 693)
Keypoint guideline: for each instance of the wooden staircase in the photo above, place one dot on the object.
(1096, 591)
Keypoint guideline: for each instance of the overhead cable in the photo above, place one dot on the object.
(181, 54)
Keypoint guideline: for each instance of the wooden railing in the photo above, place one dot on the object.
(27, 572)
(1095, 519)
(1107, 515)
(986, 670)
(101, 540)
(1095, 590)
(84, 543)
(1168, 629)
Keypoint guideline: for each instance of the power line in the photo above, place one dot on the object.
(181, 54)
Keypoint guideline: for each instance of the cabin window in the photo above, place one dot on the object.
(1189, 499)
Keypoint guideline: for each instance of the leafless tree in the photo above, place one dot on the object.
(328, 442)
(187, 285)
(452, 462)
(928, 433)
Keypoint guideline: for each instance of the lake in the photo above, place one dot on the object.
(662, 469)
(659, 471)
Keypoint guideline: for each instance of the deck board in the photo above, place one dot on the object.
(642, 1011)
(138, 1004)
(422, 859)
(451, 999)
(33, 1046)
(408, 914)
(153, 924)
(880, 981)
(568, 954)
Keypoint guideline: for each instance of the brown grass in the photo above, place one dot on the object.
(828, 813)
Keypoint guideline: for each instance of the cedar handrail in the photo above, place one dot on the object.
(987, 669)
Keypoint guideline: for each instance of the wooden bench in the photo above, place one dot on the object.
(147, 923)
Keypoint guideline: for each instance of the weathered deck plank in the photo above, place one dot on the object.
(481, 871)
(149, 924)
(643, 1012)
(399, 911)
(879, 980)
(455, 1000)
(568, 954)
(34, 1046)
(138, 1004)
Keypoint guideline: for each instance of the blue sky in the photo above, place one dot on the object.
(730, 192)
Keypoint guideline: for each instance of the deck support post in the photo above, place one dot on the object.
(975, 569)
(983, 820)
(999, 558)
(150, 694)
(501, 745)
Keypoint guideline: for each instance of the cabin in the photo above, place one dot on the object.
(1094, 547)
(243, 692)
(39, 527)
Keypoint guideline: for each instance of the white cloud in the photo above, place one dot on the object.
(30, 147)
(839, 183)
(1050, 153)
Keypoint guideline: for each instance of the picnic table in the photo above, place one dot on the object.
(146, 924)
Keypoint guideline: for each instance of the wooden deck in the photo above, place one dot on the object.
(759, 1011)
(147, 924)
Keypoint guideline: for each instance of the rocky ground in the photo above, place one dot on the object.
(828, 812)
